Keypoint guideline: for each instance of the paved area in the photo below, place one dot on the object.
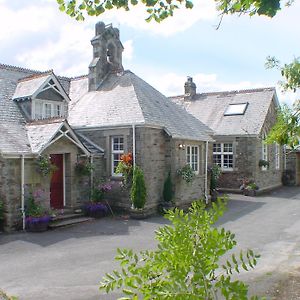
(69, 263)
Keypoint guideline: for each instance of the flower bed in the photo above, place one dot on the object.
(37, 224)
(95, 210)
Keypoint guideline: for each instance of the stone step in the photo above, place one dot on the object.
(67, 216)
(68, 222)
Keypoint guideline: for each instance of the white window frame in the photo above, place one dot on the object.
(192, 157)
(264, 151)
(53, 104)
(277, 156)
(222, 153)
(113, 152)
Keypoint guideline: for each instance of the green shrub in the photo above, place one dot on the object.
(168, 189)
(188, 263)
(1, 210)
(138, 192)
(214, 176)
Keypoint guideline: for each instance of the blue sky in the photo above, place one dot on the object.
(36, 35)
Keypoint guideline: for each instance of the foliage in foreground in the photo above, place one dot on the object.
(286, 131)
(4, 296)
(187, 263)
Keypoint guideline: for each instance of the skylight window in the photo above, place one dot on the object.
(236, 109)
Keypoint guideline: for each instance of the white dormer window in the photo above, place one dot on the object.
(236, 109)
(47, 109)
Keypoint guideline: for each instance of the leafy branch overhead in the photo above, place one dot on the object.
(157, 10)
(188, 263)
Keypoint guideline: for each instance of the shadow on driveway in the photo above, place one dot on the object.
(95, 228)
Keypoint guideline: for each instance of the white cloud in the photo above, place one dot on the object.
(181, 21)
(171, 84)
(128, 50)
(69, 54)
(32, 19)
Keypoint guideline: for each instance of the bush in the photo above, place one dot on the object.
(1, 210)
(168, 189)
(188, 262)
(214, 176)
(138, 192)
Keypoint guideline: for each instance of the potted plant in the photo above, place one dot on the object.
(83, 168)
(37, 217)
(249, 187)
(215, 173)
(263, 163)
(45, 166)
(186, 173)
(138, 194)
(96, 208)
(1, 215)
(125, 168)
(167, 194)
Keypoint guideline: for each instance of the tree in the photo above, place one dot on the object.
(160, 10)
(157, 10)
(188, 263)
(286, 131)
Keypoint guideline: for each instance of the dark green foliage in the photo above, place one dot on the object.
(1, 210)
(33, 209)
(138, 192)
(286, 131)
(157, 10)
(260, 7)
(188, 263)
(214, 176)
(168, 189)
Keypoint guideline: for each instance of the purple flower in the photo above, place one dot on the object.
(92, 207)
(35, 220)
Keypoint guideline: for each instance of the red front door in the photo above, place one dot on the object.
(57, 182)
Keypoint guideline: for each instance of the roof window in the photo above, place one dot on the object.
(236, 109)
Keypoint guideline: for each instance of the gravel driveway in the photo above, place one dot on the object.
(68, 263)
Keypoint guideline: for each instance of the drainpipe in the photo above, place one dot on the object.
(133, 144)
(206, 167)
(22, 190)
(92, 172)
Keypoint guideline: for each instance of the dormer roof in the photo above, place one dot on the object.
(29, 87)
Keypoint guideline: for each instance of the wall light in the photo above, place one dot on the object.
(181, 146)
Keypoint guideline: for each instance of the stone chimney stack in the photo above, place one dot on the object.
(107, 54)
(189, 89)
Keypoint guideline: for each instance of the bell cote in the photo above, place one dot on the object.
(107, 54)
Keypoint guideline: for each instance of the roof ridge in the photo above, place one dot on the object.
(11, 67)
(230, 92)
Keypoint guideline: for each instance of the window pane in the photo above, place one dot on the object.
(228, 161)
(236, 109)
(47, 110)
(217, 160)
(57, 110)
(38, 110)
(227, 147)
(217, 148)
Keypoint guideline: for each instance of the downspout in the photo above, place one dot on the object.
(22, 190)
(206, 170)
(92, 172)
(133, 144)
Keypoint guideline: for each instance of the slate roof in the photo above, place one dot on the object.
(13, 132)
(39, 134)
(28, 86)
(126, 99)
(210, 108)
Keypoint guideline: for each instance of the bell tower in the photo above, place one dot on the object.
(107, 54)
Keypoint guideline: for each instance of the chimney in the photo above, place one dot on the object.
(107, 54)
(189, 89)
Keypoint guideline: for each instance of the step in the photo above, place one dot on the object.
(67, 216)
(68, 222)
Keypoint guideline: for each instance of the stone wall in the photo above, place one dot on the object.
(290, 174)
(248, 152)
(157, 154)
(10, 192)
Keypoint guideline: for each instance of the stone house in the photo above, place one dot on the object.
(97, 117)
(240, 121)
